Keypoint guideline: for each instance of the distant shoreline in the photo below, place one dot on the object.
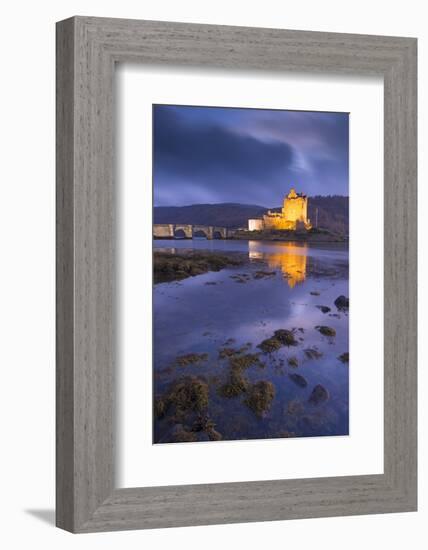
(327, 212)
(275, 236)
(314, 236)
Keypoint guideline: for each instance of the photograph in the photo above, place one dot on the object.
(211, 259)
(250, 274)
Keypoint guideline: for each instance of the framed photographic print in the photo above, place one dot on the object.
(236, 264)
(224, 371)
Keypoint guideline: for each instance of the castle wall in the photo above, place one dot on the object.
(294, 215)
(277, 222)
(255, 225)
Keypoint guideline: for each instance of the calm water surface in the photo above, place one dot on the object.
(203, 313)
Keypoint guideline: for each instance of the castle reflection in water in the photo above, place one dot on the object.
(291, 259)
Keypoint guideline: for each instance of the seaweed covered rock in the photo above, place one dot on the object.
(319, 395)
(293, 362)
(204, 427)
(312, 353)
(180, 265)
(324, 309)
(240, 278)
(260, 397)
(270, 345)
(191, 359)
(202, 422)
(214, 435)
(188, 394)
(280, 338)
(298, 379)
(227, 352)
(295, 407)
(263, 274)
(286, 337)
(245, 361)
(235, 385)
(342, 303)
(344, 357)
(326, 331)
(159, 407)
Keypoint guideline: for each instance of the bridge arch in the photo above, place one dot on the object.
(200, 233)
(179, 233)
(203, 231)
(183, 231)
(219, 233)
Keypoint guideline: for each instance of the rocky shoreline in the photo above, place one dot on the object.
(185, 404)
(176, 266)
(311, 236)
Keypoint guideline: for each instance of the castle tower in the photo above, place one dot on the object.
(293, 215)
(295, 208)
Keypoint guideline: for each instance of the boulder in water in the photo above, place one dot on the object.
(342, 303)
(319, 395)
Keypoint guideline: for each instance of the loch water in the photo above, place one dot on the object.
(234, 308)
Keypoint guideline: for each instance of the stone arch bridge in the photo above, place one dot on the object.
(187, 231)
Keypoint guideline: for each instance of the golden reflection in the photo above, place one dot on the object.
(291, 259)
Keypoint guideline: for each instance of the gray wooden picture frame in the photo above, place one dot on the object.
(87, 50)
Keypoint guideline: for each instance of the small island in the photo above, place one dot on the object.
(287, 223)
(290, 224)
(293, 216)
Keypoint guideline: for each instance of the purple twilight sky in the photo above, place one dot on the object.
(249, 156)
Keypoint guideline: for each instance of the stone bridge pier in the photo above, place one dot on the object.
(220, 233)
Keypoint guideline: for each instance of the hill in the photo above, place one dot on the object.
(333, 213)
(222, 215)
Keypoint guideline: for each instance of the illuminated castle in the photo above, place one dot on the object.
(293, 215)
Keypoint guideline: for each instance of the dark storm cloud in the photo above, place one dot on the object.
(246, 155)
